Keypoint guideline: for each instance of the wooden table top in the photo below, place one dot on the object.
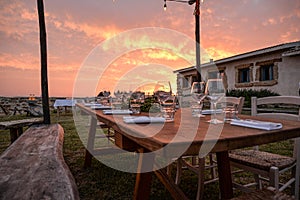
(192, 133)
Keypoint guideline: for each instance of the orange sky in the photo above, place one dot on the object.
(76, 28)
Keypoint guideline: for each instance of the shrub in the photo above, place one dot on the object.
(150, 105)
(248, 93)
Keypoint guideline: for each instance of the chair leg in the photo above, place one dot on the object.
(297, 183)
(258, 181)
(201, 169)
(179, 171)
(169, 170)
(213, 169)
(274, 178)
(297, 170)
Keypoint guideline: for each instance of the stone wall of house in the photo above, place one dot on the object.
(286, 72)
(288, 76)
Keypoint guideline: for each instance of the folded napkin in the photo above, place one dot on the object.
(100, 107)
(210, 112)
(117, 112)
(256, 124)
(143, 120)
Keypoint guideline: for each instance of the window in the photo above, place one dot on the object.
(185, 82)
(244, 75)
(213, 74)
(267, 72)
(194, 79)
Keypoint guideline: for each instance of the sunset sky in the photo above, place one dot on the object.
(77, 29)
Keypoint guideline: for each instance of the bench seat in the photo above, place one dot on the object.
(33, 167)
(16, 126)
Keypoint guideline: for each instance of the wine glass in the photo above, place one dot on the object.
(215, 91)
(162, 91)
(198, 95)
(163, 95)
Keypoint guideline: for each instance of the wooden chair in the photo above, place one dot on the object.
(269, 166)
(234, 101)
(199, 165)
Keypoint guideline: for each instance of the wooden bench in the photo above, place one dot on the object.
(16, 126)
(33, 167)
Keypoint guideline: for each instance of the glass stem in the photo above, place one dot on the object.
(215, 110)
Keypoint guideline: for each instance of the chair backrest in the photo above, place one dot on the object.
(276, 113)
(234, 101)
(282, 100)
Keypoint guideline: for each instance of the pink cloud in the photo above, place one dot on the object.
(74, 28)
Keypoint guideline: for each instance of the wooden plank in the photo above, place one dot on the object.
(20, 123)
(33, 167)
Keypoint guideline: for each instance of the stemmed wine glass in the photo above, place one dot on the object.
(198, 95)
(162, 91)
(163, 95)
(215, 91)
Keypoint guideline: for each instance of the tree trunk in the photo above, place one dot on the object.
(43, 50)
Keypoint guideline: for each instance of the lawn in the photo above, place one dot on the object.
(102, 182)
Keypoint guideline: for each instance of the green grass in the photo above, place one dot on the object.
(102, 182)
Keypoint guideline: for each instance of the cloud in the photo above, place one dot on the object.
(74, 28)
(162, 54)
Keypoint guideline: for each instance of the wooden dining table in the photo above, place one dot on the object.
(191, 136)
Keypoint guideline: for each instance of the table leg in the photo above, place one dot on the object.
(143, 181)
(90, 144)
(13, 134)
(225, 180)
(20, 131)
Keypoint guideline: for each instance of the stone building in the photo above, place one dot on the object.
(275, 68)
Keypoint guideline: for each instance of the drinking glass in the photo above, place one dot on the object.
(215, 91)
(230, 112)
(162, 91)
(136, 100)
(198, 95)
(116, 101)
(167, 108)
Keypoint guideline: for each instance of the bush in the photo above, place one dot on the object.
(150, 105)
(248, 93)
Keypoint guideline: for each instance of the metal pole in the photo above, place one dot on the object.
(197, 38)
